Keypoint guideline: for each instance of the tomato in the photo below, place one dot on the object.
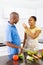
(15, 57)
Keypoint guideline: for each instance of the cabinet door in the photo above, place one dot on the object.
(4, 51)
(40, 21)
(40, 17)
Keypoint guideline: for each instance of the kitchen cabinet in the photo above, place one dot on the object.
(3, 51)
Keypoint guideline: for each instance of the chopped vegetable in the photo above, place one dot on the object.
(35, 57)
(29, 58)
(39, 56)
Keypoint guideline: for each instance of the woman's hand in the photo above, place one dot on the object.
(21, 50)
(25, 26)
(27, 30)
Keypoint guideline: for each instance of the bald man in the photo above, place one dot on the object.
(12, 38)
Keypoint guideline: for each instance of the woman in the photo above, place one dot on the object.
(31, 34)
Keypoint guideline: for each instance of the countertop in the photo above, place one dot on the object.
(4, 60)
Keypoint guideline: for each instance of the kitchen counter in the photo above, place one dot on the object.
(40, 42)
(4, 60)
(2, 44)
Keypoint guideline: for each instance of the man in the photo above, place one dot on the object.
(11, 37)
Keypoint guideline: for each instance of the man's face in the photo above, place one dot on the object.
(14, 18)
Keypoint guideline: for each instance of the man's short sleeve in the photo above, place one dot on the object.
(8, 35)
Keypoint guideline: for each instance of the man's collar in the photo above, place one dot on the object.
(10, 23)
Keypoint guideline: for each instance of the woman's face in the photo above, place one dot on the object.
(31, 21)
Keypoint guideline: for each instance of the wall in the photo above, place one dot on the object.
(25, 8)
